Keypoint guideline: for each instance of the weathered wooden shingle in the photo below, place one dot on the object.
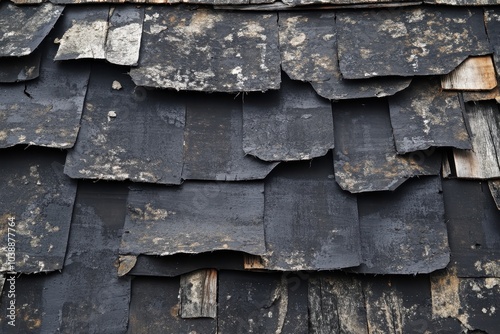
(22, 29)
(483, 161)
(46, 111)
(293, 123)
(38, 198)
(103, 33)
(365, 157)
(213, 141)
(404, 232)
(155, 307)
(195, 217)
(424, 116)
(310, 223)
(128, 133)
(492, 20)
(208, 50)
(198, 294)
(15, 69)
(308, 46)
(474, 74)
(408, 41)
(473, 229)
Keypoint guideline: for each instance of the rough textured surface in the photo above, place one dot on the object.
(195, 217)
(310, 223)
(103, 33)
(408, 41)
(87, 296)
(336, 304)
(291, 124)
(15, 69)
(198, 293)
(473, 229)
(308, 46)
(22, 29)
(492, 21)
(124, 136)
(155, 306)
(251, 303)
(475, 73)
(39, 199)
(46, 111)
(218, 155)
(483, 161)
(365, 158)
(495, 191)
(424, 116)
(208, 50)
(404, 232)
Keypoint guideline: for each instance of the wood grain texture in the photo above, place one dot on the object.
(482, 162)
(198, 293)
(475, 73)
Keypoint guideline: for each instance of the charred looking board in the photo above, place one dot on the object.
(473, 229)
(308, 46)
(128, 132)
(310, 223)
(218, 155)
(39, 199)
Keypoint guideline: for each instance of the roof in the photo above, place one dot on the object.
(249, 166)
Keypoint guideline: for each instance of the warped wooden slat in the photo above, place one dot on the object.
(475, 73)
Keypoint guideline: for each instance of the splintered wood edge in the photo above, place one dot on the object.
(474, 74)
(253, 262)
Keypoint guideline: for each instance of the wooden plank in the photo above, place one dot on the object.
(365, 158)
(408, 41)
(399, 237)
(475, 73)
(310, 222)
(423, 116)
(293, 123)
(194, 218)
(46, 111)
(208, 50)
(37, 202)
(117, 142)
(482, 162)
(308, 46)
(495, 191)
(155, 306)
(198, 293)
(336, 304)
(23, 28)
(473, 229)
(16, 69)
(218, 155)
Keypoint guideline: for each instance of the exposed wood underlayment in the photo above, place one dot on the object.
(475, 73)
